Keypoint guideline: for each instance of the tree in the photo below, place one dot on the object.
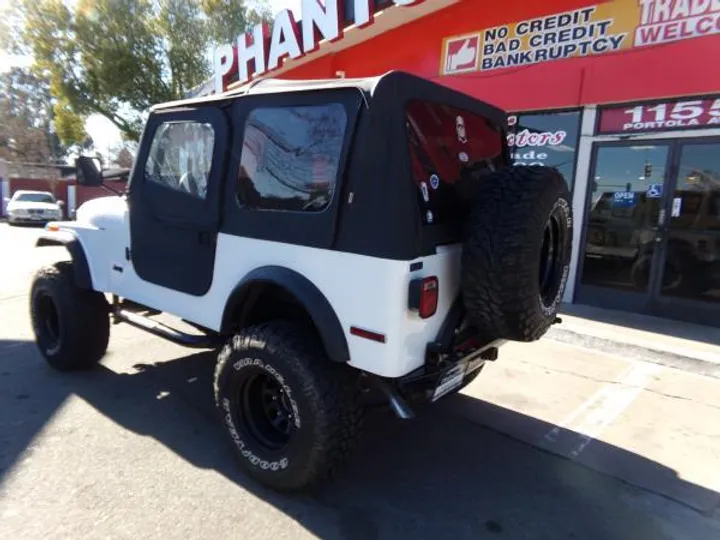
(36, 128)
(227, 18)
(123, 155)
(119, 57)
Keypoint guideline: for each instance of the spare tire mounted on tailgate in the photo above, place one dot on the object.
(516, 256)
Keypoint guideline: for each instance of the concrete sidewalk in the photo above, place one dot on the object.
(662, 341)
(653, 427)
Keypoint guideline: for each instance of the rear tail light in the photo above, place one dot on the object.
(424, 296)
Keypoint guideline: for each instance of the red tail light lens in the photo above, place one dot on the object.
(424, 296)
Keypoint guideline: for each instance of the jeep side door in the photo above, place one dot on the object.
(174, 198)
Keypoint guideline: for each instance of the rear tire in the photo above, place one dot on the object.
(71, 325)
(292, 415)
(516, 258)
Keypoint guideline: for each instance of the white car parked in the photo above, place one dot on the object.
(33, 207)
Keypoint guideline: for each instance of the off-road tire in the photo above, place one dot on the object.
(322, 397)
(71, 325)
(502, 282)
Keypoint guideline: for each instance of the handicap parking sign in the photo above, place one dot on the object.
(654, 191)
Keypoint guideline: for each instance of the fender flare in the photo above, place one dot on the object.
(307, 294)
(81, 268)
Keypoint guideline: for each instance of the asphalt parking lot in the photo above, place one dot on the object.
(550, 442)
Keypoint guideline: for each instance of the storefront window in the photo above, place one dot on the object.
(549, 139)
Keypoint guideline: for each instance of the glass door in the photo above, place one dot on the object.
(691, 258)
(627, 208)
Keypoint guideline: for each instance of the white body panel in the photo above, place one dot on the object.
(365, 292)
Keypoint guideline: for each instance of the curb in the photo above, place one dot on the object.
(692, 364)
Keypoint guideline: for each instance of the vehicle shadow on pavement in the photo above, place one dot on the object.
(438, 476)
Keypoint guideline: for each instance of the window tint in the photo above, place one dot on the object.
(180, 157)
(444, 144)
(545, 139)
(290, 157)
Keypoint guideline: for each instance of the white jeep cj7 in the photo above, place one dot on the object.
(330, 239)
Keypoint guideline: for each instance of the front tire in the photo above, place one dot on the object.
(71, 325)
(291, 414)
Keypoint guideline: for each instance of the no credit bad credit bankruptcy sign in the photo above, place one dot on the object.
(603, 28)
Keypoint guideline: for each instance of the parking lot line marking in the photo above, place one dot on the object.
(592, 417)
(552, 435)
(618, 398)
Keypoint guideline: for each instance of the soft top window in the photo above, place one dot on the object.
(446, 143)
(180, 157)
(290, 157)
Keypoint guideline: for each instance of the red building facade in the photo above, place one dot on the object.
(620, 95)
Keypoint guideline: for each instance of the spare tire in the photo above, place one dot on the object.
(516, 253)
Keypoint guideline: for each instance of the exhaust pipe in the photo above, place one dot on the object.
(397, 402)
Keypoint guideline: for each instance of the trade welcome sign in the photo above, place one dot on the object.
(592, 30)
(261, 51)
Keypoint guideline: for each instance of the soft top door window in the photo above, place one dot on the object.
(180, 157)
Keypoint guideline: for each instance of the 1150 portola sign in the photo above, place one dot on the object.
(258, 52)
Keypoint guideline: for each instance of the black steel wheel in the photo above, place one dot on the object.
(71, 325)
(553, 257)
(267, 410)
(291, 414)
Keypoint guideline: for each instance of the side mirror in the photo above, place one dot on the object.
(6, 199)
(89, 171)
(61, 203)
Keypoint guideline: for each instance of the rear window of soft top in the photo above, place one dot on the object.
(445, 141)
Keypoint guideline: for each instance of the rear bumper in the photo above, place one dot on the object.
(457, 353)
(434, 381)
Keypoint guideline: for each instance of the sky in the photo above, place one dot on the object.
(102, 131)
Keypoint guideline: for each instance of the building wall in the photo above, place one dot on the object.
(87, 193)
(635, 74)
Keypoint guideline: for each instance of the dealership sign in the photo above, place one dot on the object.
(685, 114)
(606, 27)
(261, 51)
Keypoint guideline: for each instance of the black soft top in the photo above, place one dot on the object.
(398, 81)
(375, 210)
(384, 219)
